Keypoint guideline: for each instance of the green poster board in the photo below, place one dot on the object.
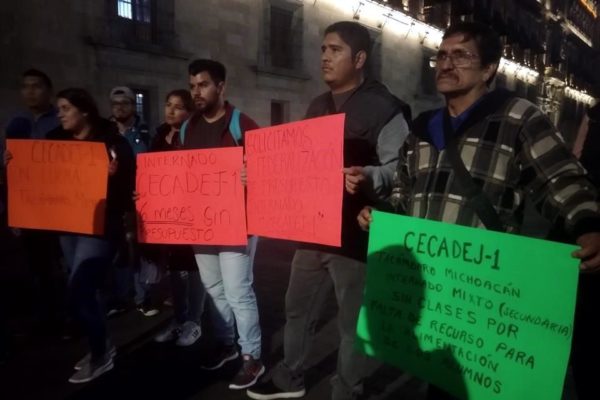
(481, 314)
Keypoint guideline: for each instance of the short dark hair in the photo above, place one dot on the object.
(184, 95)
(38, 74)
(215, 69)
(487, 40)
(353, 34)
(83, 101)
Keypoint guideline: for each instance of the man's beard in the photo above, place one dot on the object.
(206, 108)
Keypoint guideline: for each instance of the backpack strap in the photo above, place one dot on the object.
(234, 126)
(476, 198)
(182, 131)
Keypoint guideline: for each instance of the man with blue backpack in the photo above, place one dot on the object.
(226, 271)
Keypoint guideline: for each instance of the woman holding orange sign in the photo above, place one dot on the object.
(88, 257)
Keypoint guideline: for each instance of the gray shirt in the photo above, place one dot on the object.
(389, 142)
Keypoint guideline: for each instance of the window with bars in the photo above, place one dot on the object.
(279, 112)
(139, 25)
(142, 103)
(135, 10)
(283, 35)
(135, 19)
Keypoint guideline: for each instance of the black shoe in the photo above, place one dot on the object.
(227, 353)
(268, 391)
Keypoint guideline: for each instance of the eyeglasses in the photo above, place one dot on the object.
(459, 58)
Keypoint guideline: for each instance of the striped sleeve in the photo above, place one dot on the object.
(553, 178)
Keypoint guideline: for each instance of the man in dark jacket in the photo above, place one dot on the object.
(376, 125)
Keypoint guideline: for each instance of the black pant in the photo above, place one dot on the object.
(314, 275)
(43, 254)
(585, 357)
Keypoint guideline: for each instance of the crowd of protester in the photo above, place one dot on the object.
(390, 161)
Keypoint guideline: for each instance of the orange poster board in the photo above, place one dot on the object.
(57, 185)
(191, 197)
(295, 180)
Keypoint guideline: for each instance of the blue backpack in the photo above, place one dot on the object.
(234, 128)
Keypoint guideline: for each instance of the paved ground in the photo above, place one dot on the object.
(38, 367)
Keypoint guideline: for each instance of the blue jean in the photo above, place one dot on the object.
(188, 296)
(88, 258)
(227, 277)
(127, 277)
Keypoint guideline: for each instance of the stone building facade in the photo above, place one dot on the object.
(270, 47)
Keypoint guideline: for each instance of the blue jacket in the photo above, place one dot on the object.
(25, 126)
(138, 136)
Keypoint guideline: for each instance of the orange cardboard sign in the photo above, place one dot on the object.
(57, 185)
(191, 197)
(295, 180)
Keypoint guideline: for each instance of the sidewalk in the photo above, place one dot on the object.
(146, 370)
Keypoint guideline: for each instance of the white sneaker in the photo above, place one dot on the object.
(112, 352)
(190, 333)
(171, 332)
(91, 371)
(148, 311)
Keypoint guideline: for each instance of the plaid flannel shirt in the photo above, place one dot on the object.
(512, 150)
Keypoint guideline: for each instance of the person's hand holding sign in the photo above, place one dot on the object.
(354, 177)
(243, 174)
(114, 164)
(364, 218)
(589, 252)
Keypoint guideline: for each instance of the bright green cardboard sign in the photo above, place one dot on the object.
(481, 314)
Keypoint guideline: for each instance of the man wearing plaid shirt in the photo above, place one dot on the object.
(511, 150)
